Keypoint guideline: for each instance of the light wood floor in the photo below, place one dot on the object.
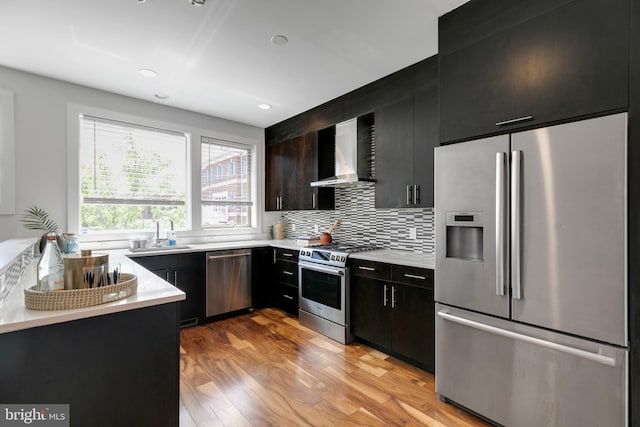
(264, 369)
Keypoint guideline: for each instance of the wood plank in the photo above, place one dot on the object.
(264, 368)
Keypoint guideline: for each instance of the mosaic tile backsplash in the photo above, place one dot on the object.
(362, 223)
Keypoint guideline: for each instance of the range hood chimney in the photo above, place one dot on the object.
(353, 154)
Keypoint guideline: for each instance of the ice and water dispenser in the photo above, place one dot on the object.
(464, 235)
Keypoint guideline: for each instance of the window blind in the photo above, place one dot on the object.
(226, 197)
(127, 164)
(226, 173)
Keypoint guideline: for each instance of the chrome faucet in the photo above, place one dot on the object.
(162, 241)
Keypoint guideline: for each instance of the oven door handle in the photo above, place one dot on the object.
(321, 268)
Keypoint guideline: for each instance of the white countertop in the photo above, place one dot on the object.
(390, 256)
(217, 246)
(152, 290)
(394, 256)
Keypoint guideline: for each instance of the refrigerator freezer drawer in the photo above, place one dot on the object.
(518, 375)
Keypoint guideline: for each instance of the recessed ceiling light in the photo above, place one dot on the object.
(279, 40)
(146, 72)
(264, 106)
(161, 96)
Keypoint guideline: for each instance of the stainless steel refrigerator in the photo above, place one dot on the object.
(531, 275)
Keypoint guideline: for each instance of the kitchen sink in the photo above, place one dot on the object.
(159, 248)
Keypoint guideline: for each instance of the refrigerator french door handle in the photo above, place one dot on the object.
(501, 206)
(594, 357)
(516, 158)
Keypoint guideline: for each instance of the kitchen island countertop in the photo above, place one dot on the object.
(152, 290)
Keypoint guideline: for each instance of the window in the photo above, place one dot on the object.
(227, 200)
(130, 176)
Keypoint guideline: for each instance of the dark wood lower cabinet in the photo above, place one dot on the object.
(413, 324)
(285, 277)
(262, 289)
(287, 298)
(187, 273)
(119, 369)
(370, 317)
(395, 317)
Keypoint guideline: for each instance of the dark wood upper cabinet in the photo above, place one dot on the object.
(394, 152)
(528, 63)
(291, 166)
(406, 133)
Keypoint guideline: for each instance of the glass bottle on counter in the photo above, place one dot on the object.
(73, 244)
(172, 238)
(51, 266)
(280, 230)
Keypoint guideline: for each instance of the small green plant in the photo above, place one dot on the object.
(35, 218)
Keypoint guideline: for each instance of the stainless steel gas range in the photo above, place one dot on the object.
(323, 278)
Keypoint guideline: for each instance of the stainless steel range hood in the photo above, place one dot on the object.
(353, 155)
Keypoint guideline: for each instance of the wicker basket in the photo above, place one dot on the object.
(79, 298)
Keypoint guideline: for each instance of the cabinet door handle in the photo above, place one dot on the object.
(512, 121)
(166, 275)
(416, 194)
(313, 200)
(274, 256)
(408, 194)
(366, 268)
(175, 277)
(288, 273)
(384, 296)
(393, 297)
(289, 297)
(413, 276)
(287, 254)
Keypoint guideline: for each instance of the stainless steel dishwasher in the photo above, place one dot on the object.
(228, 281)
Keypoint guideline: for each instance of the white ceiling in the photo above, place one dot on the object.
(217, 59)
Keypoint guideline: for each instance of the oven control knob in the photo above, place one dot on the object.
(343, 258)
(332, 257)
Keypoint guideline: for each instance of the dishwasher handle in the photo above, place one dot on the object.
(210, 257)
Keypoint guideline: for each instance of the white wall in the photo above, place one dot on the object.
(40, 109)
